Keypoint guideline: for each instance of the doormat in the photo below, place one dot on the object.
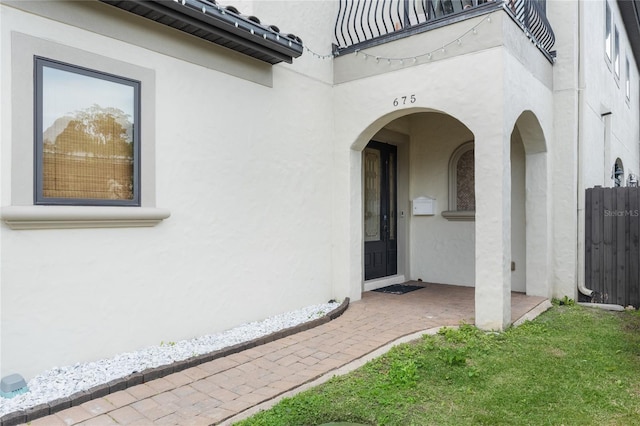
(398, 289)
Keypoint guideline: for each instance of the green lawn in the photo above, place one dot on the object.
(570, 366)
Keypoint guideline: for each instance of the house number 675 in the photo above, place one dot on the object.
(403, 100)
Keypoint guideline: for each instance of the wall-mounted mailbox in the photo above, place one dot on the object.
(424, 206)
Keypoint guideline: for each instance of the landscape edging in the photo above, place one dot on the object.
(42, 410)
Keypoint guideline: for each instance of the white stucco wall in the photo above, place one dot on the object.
(355, 126)
(489, 111)
(564, 155)
(595, 124)
(437, 243)
(604, 93)
(245, 170)
(311, 20)
(261, 170)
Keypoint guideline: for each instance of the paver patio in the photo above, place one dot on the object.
(226, 389)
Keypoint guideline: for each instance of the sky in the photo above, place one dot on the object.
(66, 92)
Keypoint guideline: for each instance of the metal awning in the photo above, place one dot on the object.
(218, 24)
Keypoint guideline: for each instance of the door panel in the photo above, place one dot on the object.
(380, 246)
(372, 186)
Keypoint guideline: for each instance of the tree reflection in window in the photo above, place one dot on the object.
(88, 156)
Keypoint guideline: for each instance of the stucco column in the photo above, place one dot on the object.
(563, 151)
(346, 250)
(356, 245)
(538, 225)
(493, 230)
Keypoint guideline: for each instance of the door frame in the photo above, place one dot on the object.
(381, 256)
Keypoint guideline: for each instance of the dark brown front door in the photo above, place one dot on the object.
(380, 224)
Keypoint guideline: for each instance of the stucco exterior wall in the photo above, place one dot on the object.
(518, 215)
(486, 112)
(313, 20)
(261, 170)
(604, 99)
(564, 156)
(436, 242)
(356, 125)
(595, 124)
(529, 117)
(489, 34)
(245, 170)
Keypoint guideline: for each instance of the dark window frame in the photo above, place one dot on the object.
(39, 199)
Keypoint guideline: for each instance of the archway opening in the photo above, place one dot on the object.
(429, 246)
(529, 207)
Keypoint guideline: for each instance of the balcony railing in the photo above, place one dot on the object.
(531, 14)
(359, 22)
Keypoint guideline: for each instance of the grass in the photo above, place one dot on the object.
(570, 366)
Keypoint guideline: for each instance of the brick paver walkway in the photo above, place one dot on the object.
(223, 389)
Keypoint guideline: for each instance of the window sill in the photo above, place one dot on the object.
(72, 217)
(460, 215)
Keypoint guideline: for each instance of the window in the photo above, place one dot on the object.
(617, 174)
(616, 53)
(465, 180)
(87, 137)
(462, 196)
(627, 77)
(104, 210)
(607, 31)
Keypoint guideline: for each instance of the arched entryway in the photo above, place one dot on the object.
(529, 207)
(408, 160)
(462, 248)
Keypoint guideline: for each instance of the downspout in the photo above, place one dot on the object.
(580, 181)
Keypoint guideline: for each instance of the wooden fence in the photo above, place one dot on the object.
(612, 251)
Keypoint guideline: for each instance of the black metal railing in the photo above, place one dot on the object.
(359, 21)
(531, 14)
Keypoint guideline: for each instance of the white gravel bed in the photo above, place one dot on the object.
(60, 382)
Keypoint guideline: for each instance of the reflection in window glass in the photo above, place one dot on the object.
(87, 141)
(392, 197)
(372, 185)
